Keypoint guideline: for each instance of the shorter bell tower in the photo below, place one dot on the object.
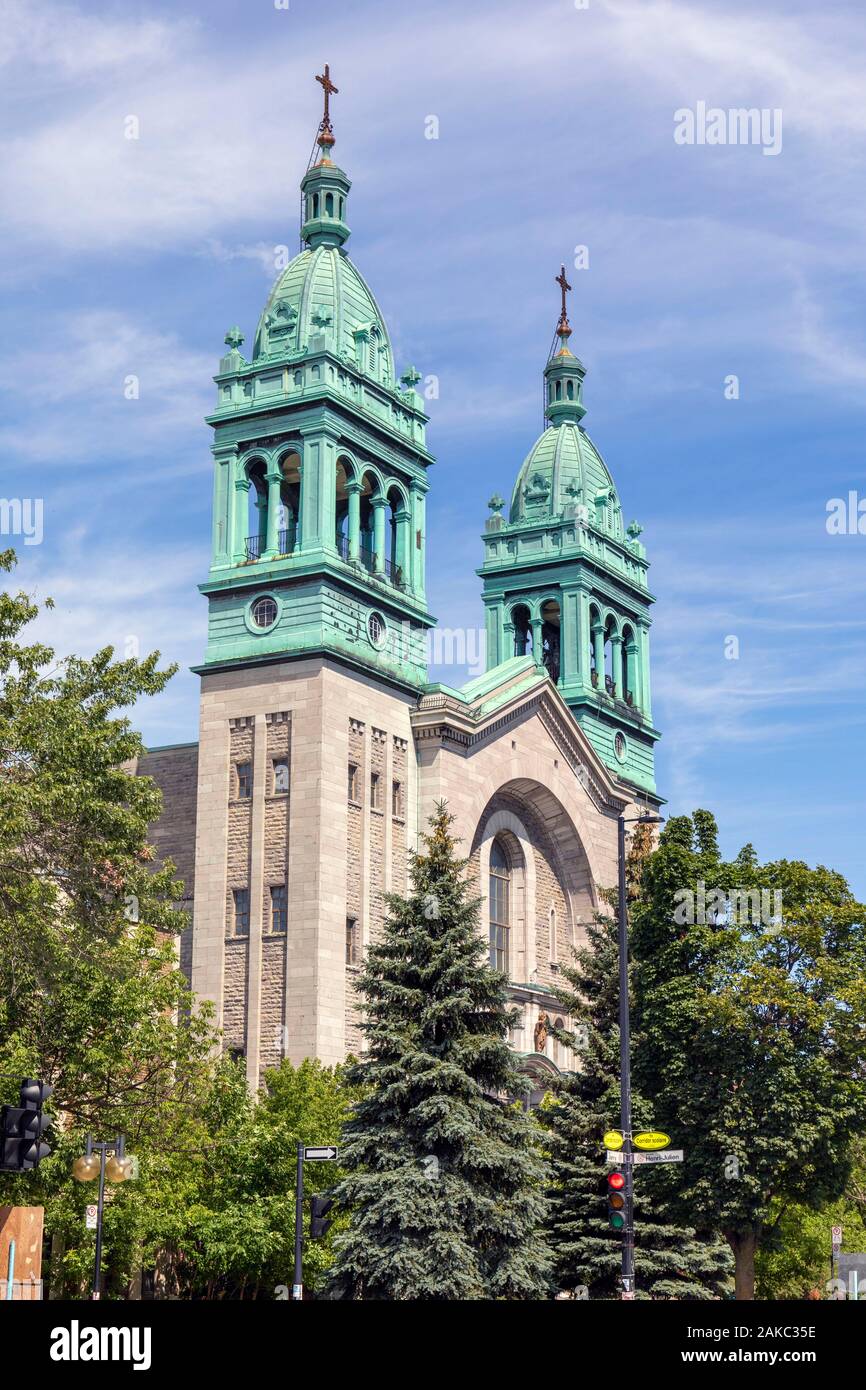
(565, 580)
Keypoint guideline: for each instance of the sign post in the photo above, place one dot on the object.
(835, 1247)
(323, 1153)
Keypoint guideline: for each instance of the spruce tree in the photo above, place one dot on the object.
(445, 1184)
(671, 1261)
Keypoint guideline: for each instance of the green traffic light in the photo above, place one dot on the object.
(617, 1220)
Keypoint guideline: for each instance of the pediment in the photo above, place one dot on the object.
(493, 706)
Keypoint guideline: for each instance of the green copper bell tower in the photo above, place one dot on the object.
(320, 473)
(565, 581)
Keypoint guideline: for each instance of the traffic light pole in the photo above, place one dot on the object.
(625, 1072)
(298, 1285)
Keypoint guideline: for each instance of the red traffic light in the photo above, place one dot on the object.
(616, 1180)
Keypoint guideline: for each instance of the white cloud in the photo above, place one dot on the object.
(71, 396)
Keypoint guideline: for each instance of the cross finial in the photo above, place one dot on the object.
(563, 328)
(325, 127)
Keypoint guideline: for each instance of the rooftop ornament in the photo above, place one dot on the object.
(325, 138)
(563, 328)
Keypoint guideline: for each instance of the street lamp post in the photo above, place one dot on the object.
(116, 1169)
(624, 1052)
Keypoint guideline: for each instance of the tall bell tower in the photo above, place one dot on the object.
(566, 581)
(320, 473)
(316, 652)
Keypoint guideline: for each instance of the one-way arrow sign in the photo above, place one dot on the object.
(329, 1152)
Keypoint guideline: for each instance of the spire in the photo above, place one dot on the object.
(325, 187)
(564, 373)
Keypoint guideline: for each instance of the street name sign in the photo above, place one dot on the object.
(613, 1156)
(651, 1139)
(662, 1156)
(327, 1151)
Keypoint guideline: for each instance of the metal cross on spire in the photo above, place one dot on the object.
(328, 88)
(563, 328)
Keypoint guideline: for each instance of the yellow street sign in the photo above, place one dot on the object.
(612, 1140)
(651, 1139)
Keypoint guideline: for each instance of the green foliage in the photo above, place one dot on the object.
(444, 1178)
(91, 1001)
(88, 976)
(751, 1032)
(233, 1232)
(794, 1258)
(671, 1261)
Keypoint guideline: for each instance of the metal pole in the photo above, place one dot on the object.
(298, 1286)
(625, 1071)
(10, 1275)
(99, 1206)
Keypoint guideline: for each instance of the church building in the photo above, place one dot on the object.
(323, 746)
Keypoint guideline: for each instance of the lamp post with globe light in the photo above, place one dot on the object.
(645, 818)
(95, 1163)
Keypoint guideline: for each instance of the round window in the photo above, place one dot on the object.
(264, 612)
(620, 747)
(376, 629)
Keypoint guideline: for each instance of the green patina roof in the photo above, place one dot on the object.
(563, 469)
(321, 291)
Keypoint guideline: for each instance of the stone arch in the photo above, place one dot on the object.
(550, 618)
(398, 529)
(505, 827)
(255, 471)
(554, 851)
(541, 1072)
(612, 654)
(630, 687)
(520, 618)
(288, 468)
(372, 504)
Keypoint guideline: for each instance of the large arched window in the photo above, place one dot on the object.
(499, 897)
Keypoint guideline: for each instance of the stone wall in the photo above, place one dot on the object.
(175, 772)
(336, 856)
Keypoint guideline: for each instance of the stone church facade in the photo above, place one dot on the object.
(323, 747)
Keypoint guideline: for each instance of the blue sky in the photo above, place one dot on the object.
(556, 130)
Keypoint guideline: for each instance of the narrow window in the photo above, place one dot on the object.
(351, 941)
(354, 788)
(554, 944)
(397, 800)
(242, 911)
(329, 204)
(499, 897)
(375, 791)
(279, 909)
(315, 204)
(281, 777)
(245, 781)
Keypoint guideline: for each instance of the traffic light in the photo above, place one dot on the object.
(616, 1199)
(22, 1127)
(319, 1208)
